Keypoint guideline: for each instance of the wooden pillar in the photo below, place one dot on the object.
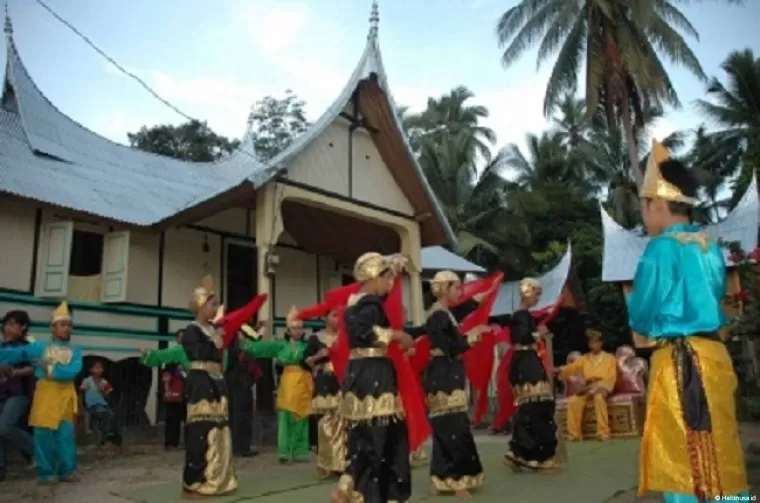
(269, 226)
(411, 247)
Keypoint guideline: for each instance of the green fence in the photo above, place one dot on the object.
(161, 314)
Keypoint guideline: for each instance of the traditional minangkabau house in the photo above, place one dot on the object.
(623, 247)
(126, 235)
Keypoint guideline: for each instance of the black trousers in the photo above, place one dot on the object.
(175, 416)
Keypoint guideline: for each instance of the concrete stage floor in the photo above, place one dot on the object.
(595, 472)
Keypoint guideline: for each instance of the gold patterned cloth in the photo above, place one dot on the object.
(668, 457)
(54, 402)
(332, 435)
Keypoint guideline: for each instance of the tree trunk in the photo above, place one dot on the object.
(633, 154)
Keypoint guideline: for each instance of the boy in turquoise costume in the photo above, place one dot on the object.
(54, 406)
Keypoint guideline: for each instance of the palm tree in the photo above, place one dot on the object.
(608, 161)
(712, 166)
(547, 163)
(450, 115)
(735, 107)
(619, 42)
(477, 205)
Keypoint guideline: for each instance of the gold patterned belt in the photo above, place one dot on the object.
(437, 352)
(210, 367)
(327, 368)
(360, 353)
(525, 347)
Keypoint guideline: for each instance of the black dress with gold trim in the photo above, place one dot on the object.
(534, 443)
(331, 427)
(455, 465)
(208, 460)
(378, 469)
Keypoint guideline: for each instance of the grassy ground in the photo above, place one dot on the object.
(598, 472)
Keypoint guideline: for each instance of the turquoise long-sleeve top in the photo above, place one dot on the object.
(679, 285)
(63, 359)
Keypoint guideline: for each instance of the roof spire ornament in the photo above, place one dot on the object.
(374, 21)
(8, 29)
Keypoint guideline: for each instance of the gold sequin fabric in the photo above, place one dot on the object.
(208, 410)
(325, 404)
(371, 407)
(533, 392)
(451, 485)
(447, 403)
(219, 472)
(332, 433)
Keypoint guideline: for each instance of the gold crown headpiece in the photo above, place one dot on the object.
(291, 320)
(61, 312)
(369, 266)
(202, 294)
(654, 185)
(441, 282)
(529, 286)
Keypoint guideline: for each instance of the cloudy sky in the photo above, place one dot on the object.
(214, 59)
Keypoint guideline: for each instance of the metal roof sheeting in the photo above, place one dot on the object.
(552, 284)
(48, 157)
(623, 248)
(438, 258)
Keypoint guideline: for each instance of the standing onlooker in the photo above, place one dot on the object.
(173, 378)
(16, 385)
(96, 391)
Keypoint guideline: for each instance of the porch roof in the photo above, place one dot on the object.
(50, 158)
(623, 247)
(438, 258)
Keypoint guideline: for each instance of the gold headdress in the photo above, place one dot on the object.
(202, 294)
(593, 334)
(61, 313)
(291, 321)
(654, 185)
(441, 282)
(529, 286)
(219, 314)
(370, 266)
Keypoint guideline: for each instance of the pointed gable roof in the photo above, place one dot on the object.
(48, 157)
(623, 248)
(53, 159)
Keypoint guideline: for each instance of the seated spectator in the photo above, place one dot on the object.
(96, 391)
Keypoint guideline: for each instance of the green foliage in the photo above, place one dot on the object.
(275, 122)
(192, 141)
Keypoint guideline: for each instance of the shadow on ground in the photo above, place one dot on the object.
(611, 466)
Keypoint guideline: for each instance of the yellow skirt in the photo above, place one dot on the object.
(295, 391)
(665, 464)
(53, 403)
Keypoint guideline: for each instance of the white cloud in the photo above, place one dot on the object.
(274, 30)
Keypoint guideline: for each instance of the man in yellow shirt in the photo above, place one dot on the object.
(599, 371)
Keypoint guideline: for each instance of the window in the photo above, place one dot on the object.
(82, 265)
(86, 253)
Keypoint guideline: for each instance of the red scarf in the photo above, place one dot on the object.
(412, 397)
(504, 393)
(478, 360)
(236, 319)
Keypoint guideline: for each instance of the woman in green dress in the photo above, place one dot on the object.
(294, 391)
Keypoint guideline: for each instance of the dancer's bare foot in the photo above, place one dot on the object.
(432, 491)
(463, 494)
(286, 462)
(323, 474)
(71, 479)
